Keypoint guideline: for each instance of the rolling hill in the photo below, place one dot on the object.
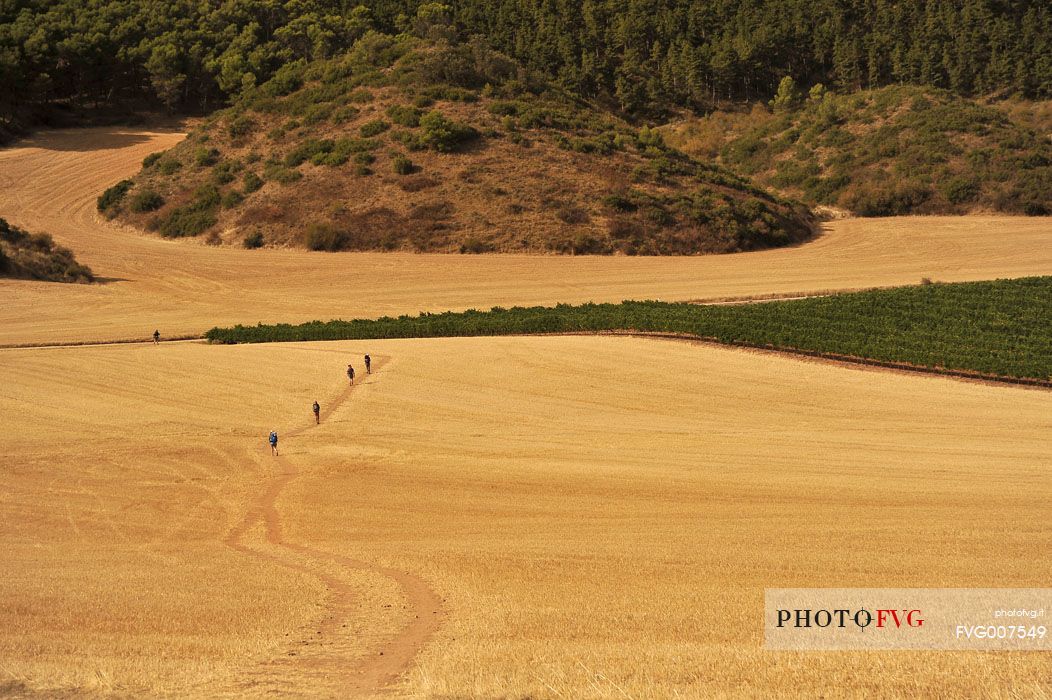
(423, 145)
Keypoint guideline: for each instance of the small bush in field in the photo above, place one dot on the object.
(146, 200)
(151, 159)
(402, 165)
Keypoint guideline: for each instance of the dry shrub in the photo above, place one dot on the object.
(262, 214)
(417, 183)
(572, 215)
(432, 211)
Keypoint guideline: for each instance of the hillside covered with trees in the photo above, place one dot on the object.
(643, 56)
(884, 152)
(407, 143)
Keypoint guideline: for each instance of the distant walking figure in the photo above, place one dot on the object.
(156, 337)
(317, 413)
(350, 373)
(368, 365)
(274, 442)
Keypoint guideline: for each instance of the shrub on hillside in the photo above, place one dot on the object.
(307, 150)
(884, 150)
(194, 218)
(169, 165)
(326, 237)
(187, 221)
(226, 172)
(205, 157)
(231, 199)
(886, 199)
(373, 128)
(253, 240)
(402, 165)
(113, 196)
(251, 182)
(404, 115)
(146, 200)
(281, 174)
(444, 135)
(475, 246)
(960, 190)
(151, 159)
(240, 126)
(572, 215)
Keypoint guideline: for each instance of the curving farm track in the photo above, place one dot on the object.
(379, 667)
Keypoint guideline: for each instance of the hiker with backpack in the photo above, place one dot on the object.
(317, 413)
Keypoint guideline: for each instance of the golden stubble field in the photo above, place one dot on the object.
(554, 517)
(598, 516)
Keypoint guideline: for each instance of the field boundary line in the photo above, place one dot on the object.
(829, 356)
(98, 343)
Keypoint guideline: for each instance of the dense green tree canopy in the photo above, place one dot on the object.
(643, 55)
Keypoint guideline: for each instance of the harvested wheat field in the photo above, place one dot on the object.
(51, 181)
(546, 517)
(502, 517)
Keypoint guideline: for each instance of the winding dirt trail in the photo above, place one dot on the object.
(381, 665)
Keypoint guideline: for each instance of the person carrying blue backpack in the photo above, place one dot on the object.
(274, 442)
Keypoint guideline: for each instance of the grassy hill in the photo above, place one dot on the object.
(405, 144)
(896, 150)
(35, 256)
